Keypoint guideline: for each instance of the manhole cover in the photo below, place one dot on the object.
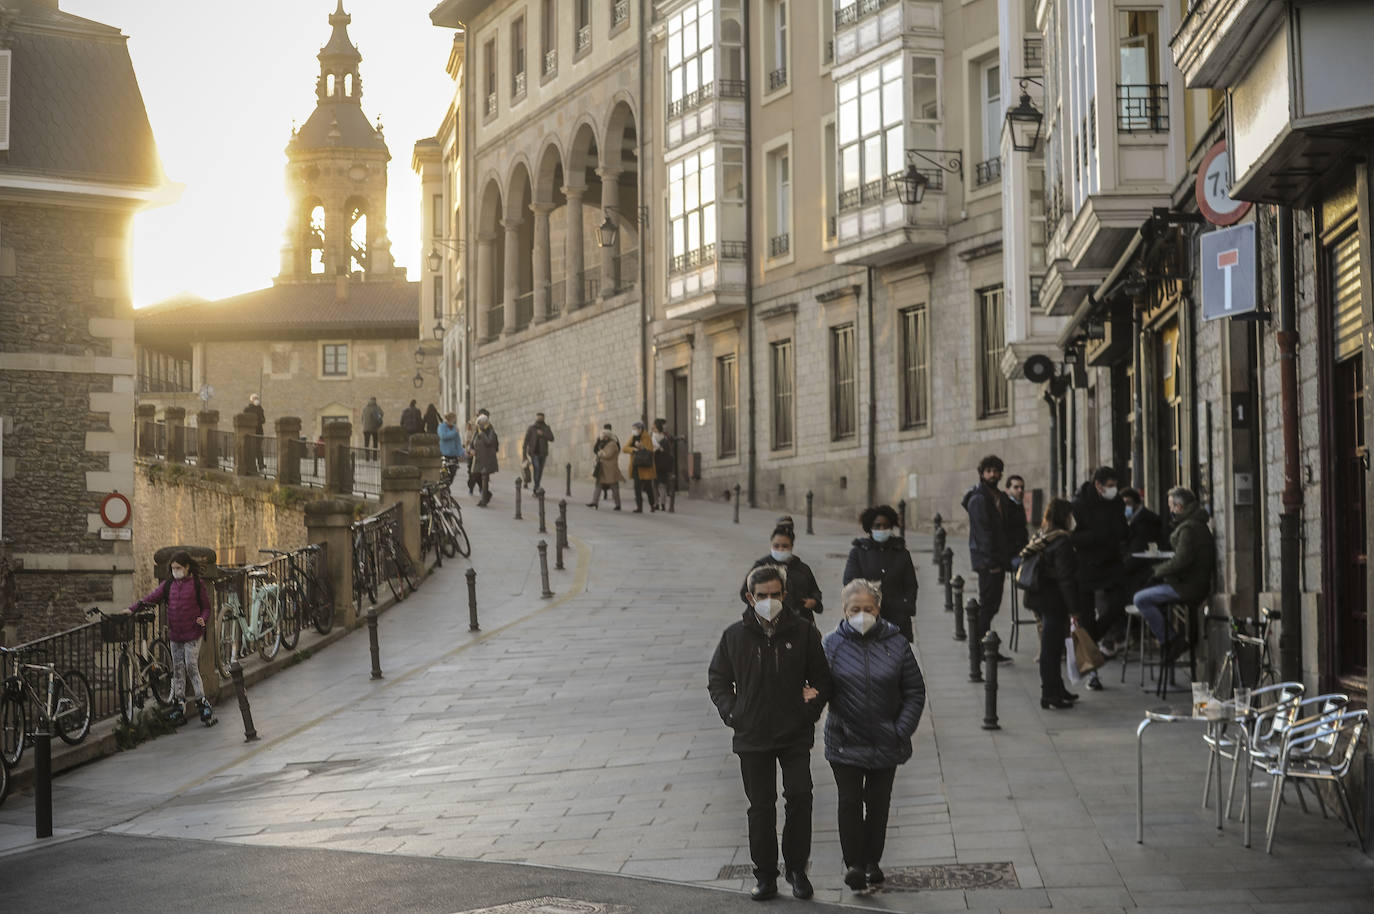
(741, 870)
(952, 876)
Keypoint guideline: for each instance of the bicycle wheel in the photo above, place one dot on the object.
(12, 728)
(448, 538)
(370, 573)
(269, 627)
(73, 707)
(160, 671)
(395, 578)
(4, 780)
(461, 538)
(323, 604)
(124, 688)
(291, 617)
(224, 643)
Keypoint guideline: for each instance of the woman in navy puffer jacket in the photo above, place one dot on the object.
(878, 698)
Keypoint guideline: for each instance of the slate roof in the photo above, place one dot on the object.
(355, 132)
(289, 309)
(76, 109)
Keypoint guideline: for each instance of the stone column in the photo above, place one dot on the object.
(424, 455)
(338, 468)
(542, 296)
(512, 273)
(145, 418)
(402, 484)
(175, 417)
(245, 450)
(329, 521)
(391, 440)
(290, 450)
(207, 438)
(483, 298)
(573, 258)
(610, 200)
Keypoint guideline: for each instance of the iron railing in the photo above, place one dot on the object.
(224, 449)
(524, 310)
(986, 172)
(558, 296)
(491, 103)
(496, 320)
(550, 61)
(732, 88)
(620, 12)
(729, 250)
(830, 227)
(518, 85)
(590, 286)
(311, 454)
(366, 468)
(1142, 108)
(851, 14)
(779, 245)
(263, 449)
(694, 99)
(690, 260)
(777, 79)
(584, 38)
(626, 270)
(1033, 52)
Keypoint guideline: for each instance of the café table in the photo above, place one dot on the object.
(1153, 556)
(1213, 720)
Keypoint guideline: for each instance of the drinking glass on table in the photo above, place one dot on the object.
(1242, 702)
(1202, 696)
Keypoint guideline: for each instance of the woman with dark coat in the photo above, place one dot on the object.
(877, 699)
(882, 557)
(802, 593)
(432, 420)
(1054, 598)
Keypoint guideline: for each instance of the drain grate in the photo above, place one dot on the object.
(952, 876)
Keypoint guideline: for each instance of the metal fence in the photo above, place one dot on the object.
(263, 449)
(366, 471)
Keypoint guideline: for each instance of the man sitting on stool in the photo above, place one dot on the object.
(1187, 577)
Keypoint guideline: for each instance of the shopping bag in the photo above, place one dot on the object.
(1086, 654)
(1071, 665)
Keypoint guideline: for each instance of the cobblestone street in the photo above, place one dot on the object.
(576, 732)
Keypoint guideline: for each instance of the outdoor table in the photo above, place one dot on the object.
(1158, 556)
(1213, 722)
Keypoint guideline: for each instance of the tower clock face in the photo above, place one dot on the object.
(358, 172)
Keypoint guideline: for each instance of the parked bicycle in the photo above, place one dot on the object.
(441, 524)
(258, 629)
(364, 562)
(1248, 661)
(379, 554)
(143, 670)
(63, 702)
(4, 780)
(306, 595)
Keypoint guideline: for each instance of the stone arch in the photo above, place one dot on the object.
(490, 285)
(583, 156)
(357, 241)
(311, 226)
(519, 171)
(548, 175)
(519, 242)
(620, 195)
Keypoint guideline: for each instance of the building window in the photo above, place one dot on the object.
(915, 367)
(691, 57)
(517, 58)
(726, 392)
(925, 102)
(548, 36)
(780, 358)
(780, 206)
(438, 297)
(436, 206)
(828, 158)
(872, 141)
(489, 69)
(1142, 96)
(992, 383)
(334, 360)
(583, 23)
(160, 372)
(843, 407)
(692, 209)
(827, 33)
(990, 81)
(731, 53)
(777, 46)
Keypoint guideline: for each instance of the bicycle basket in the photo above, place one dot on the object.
(118, 629)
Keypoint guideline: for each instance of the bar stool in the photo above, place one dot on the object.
(1134, 618)
(1016, 620)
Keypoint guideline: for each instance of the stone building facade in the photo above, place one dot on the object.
(77, 160)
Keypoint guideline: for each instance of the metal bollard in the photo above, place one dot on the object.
(736, 502)
(991, 643)
(975, 648)
(372, 643)
(901, 518)
(250, 733)
(947, 565)
(560, 529)
(939, 542)
(518, 487)
(809, 498)
(539, 494)
(471, 575)
(567, 480)
(543, 548)
(948, 583)
(560, 526)
(42, 783)
(672, 497)
(957, 585)
(954, 601)
(959, 633)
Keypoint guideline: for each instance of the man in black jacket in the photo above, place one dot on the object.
(989, 513)
(1098, 537)
(769, 681)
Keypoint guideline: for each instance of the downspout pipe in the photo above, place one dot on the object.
(1290, 519)
(643, 232)
(872, 398)
(749, 277)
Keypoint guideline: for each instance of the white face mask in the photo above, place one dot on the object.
(178, 574)
(1109, 493)
(862, 622)
(768, 608)
(780, 555)
(881, 536)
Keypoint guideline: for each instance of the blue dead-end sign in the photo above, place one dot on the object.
(1228, 272)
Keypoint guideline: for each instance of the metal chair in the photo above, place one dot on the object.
(1321, 749)
(1269, 736)
(1279, 700)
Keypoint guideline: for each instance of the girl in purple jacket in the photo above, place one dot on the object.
(188, 614)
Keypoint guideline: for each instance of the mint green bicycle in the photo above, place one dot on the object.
(259, 629)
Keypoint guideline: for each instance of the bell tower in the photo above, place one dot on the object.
(336, 177)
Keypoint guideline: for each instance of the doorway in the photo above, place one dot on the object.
(679, 422)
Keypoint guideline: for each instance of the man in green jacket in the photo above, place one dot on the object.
(1185, 578)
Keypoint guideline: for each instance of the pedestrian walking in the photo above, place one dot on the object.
(469, 436)
(663, 460)
(432, 420)
(484, 447)
(254, 409)
(803, 593)
(879, 694)
(188, 613)
(450, 447)
(1053, 597)
(411, 419)
(772, 706)
(606, 467)
(882, 556)
(372, 423)
(990, 513)
(640, 447)
(1099, 534)
(535, 448)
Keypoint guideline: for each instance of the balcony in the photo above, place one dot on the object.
(524, 310)
(518, 85)
(1140, 108)
(780, 245)
(707, 281)
(620, 13)
(550, 62)
(777, 79)
(491, 104)
(863, 25)
(716, 104)
(874, 227)
(1033, 53)
(988, 172)
(583, 40)
(850, 14)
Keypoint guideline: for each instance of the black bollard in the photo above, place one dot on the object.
(543, 548)
(672, 497)
(991, 644)
(518, 487)
(539, 494)
(372, 643)
(736, 502)
(567, 480)
(560, 528)
(901, 518)
(957, 585)
(42, 783)
(948, 583)
(809, 498)
(947, 568)
(471, 575)
(954, 599)
(939, 541)
(975, 648)
(959, 633)
(250, 733)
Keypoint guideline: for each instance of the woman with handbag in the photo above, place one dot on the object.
(640, 447)
(1049, 574)
(606, 468)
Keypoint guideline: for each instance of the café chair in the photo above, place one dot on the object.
(1318, 749)
(1266, 704)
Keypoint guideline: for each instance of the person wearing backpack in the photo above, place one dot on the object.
(188, 615)
(1049, 575)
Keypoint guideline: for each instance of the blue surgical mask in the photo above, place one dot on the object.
(881, 536)
(1130, 512)
(780, 555)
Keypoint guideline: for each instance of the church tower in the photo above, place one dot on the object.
(336, 177)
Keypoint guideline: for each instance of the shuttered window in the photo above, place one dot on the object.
(1345, 296)
(5, 60)
(843, 407)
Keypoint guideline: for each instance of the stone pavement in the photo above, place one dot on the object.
(576, 732)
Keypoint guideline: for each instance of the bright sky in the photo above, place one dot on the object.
(223, 82)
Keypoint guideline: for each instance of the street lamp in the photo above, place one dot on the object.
(911, 186)
(438, 329)
(1025, 120)
(609, 229)
(435, 260)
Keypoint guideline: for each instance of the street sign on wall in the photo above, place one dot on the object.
(1214, 188)
(1228, 272)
